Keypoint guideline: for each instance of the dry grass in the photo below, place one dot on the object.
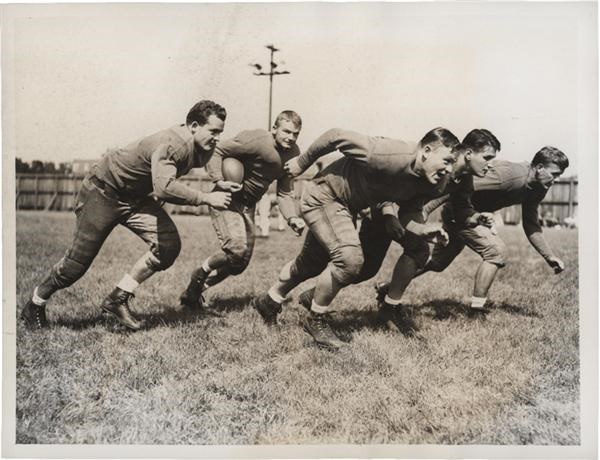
(228, 379)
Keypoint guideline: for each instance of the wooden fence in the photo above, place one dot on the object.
(58, 192)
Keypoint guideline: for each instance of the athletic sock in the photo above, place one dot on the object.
(478, 302)
(319, 309)
(36, 299)
(127, 283)
(275, 296)
(393, 302)
(206, 267)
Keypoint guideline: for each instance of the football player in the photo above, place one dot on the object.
(263, 155)
(373, 170)
(471, 223)
(121, 189)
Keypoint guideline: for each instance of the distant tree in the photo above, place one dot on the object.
(65, 168)
(49, 167)
(37, 167)
(21, 166)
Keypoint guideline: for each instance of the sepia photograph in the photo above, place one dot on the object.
(300, 230)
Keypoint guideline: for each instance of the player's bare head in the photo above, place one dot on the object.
(202, 111)
(548, 155)
(206, 121)
(479, 139)
(436, 154)
(547, 165)
(289, 116)
(439, 137)
(286, 129)
(478, 148)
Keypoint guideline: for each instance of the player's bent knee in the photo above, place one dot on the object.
(348, 264)
(67, 271)
(495, 255)
(163, 255)
(238, 258)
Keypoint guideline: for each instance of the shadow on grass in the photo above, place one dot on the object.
(230, 302)
(168, 317)
(448, 309)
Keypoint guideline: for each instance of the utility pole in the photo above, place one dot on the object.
(272, 72)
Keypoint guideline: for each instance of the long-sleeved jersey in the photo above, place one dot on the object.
(505, 185)
(263, 163)
(373, 170)
(151, 165)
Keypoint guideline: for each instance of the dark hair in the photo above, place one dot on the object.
(439, 135)
(204, 109)
(288, 115)
(550, 154)
(478, 139)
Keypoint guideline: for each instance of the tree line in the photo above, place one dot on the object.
(42, 167)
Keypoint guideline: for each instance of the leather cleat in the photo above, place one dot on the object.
(117, 304)
(317, 325)
(267, 308)
(306, 297)
(192, 297)
(398, 319)
(34, 315)
(381, 290)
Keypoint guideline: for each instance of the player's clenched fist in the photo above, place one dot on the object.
(297, 225)
(435, 234)
(218, 200)
(292, 168)
(556, 264)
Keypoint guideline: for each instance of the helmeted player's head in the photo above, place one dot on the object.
(479, 147)
(286, 129)
(206, 121)
(435, 154)
(548, 165)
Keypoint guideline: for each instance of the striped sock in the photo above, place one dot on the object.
(478, 302)
(36, 299)
(390, 301)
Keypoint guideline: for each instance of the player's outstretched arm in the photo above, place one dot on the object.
(533, 231)
(350, 143)
(287, 205)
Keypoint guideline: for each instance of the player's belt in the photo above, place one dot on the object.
(111, 192)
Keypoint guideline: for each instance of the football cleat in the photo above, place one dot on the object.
(306, 297)
(318, 327)
(381, 290)
(117, 304)
(34, 315)
(267, 308)
(398, 319)
(192, 297)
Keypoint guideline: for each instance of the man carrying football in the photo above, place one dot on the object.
(373, 170)
(122, 189)
(263, 155)
(471, 222)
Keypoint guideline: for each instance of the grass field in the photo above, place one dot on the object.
(226, 378)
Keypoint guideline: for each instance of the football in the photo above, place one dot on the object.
(233, 170)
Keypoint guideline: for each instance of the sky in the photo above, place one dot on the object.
(84, 78)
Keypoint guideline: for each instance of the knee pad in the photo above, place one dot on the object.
(495, 254)
(163, 254)
(67, 271)
(238, 257)
(347, 263)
